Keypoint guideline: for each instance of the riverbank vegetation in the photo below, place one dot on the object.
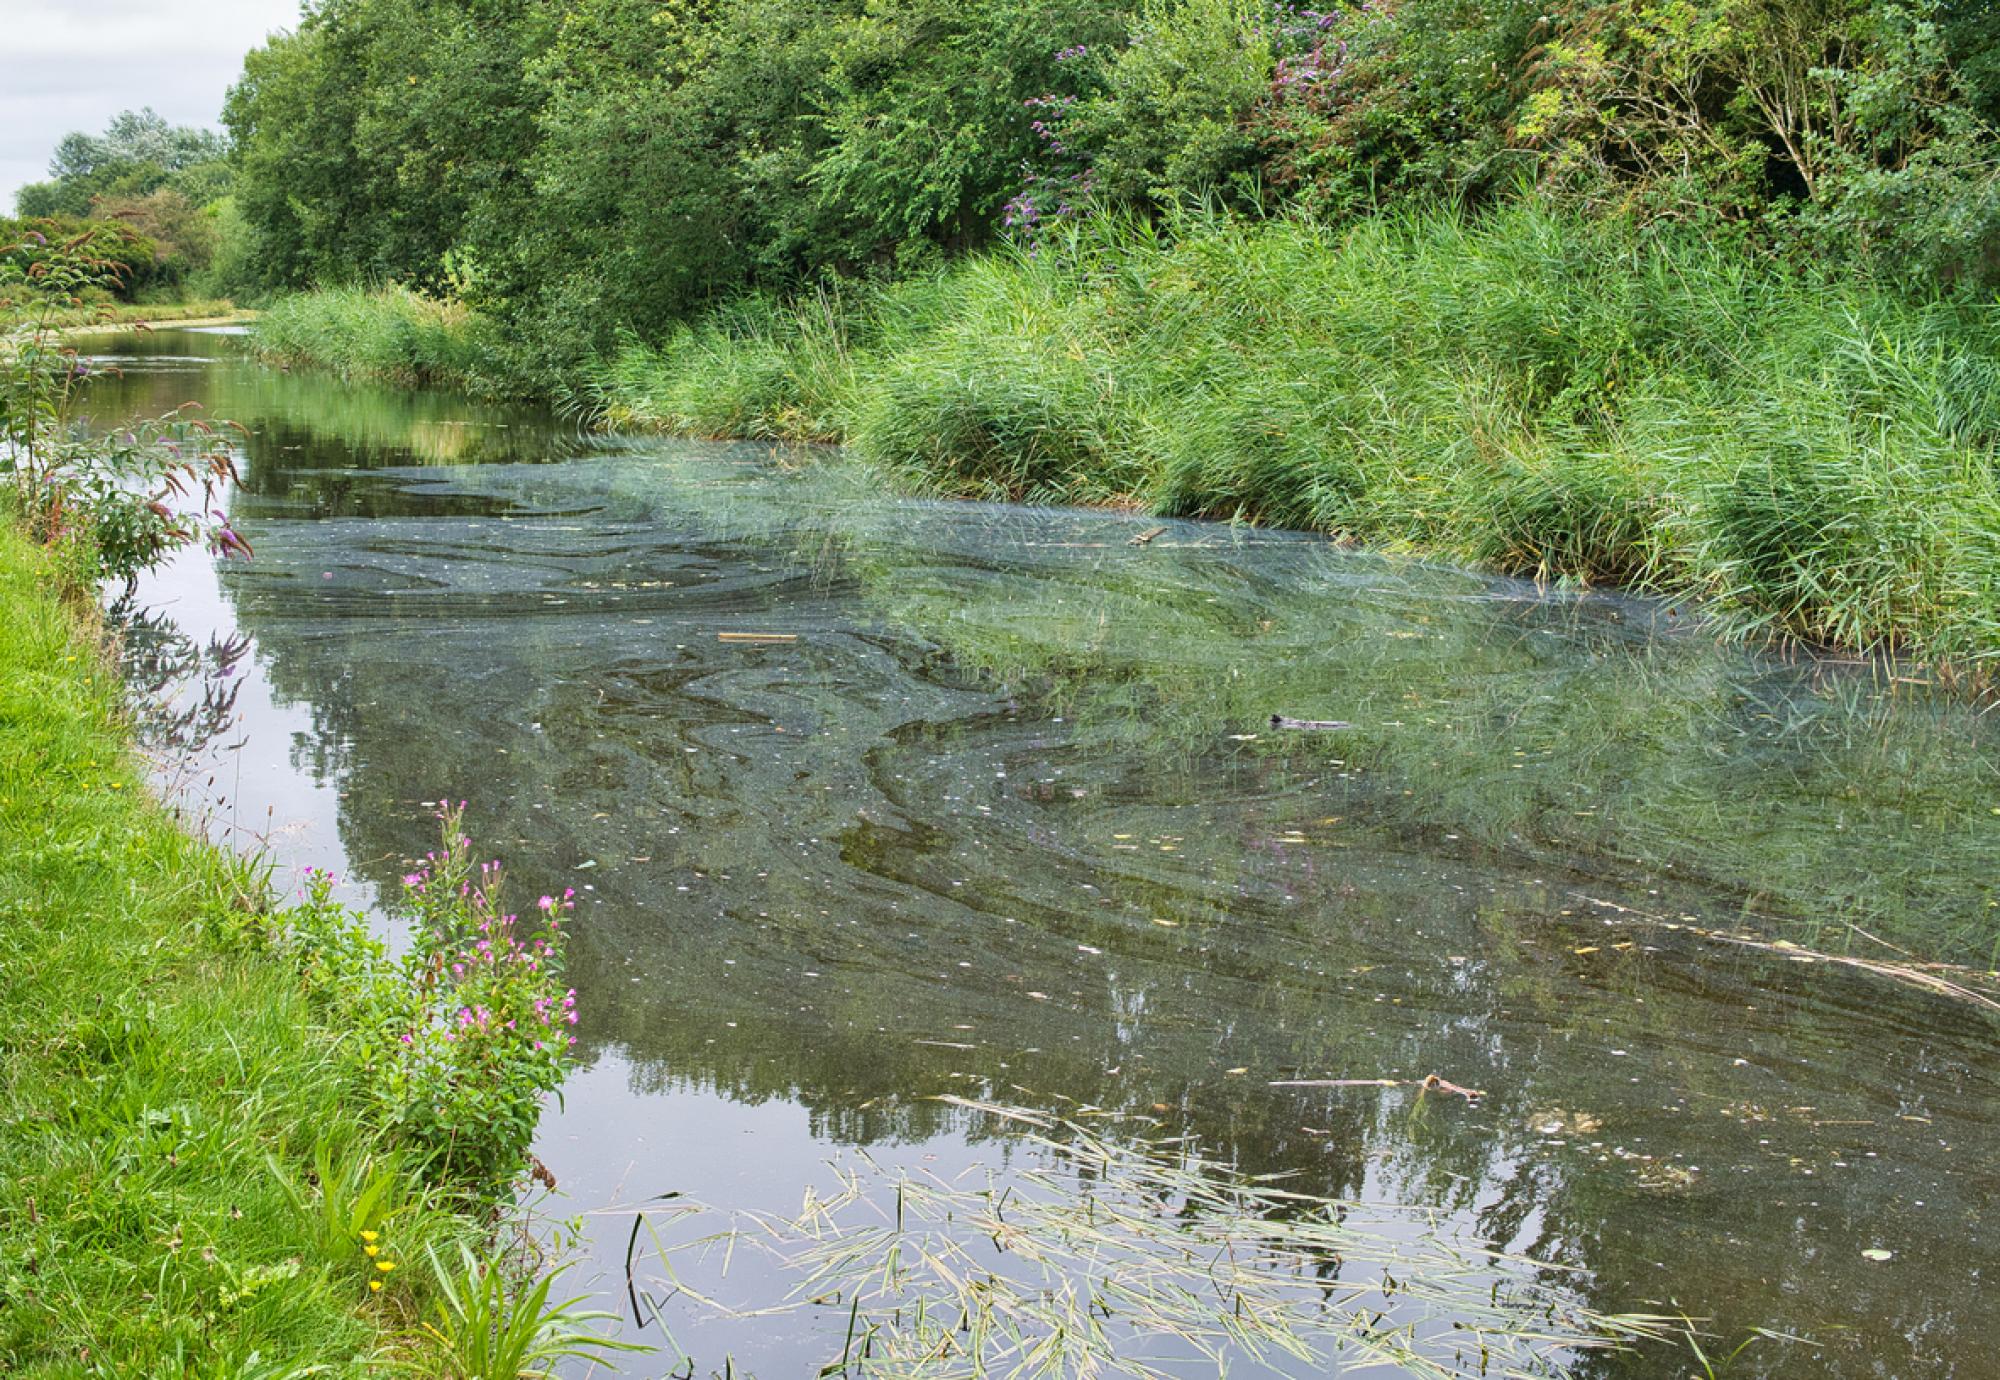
(190, 1176)
(1528, 392)
(239, 1139)
(1695, 298)
(390, 333)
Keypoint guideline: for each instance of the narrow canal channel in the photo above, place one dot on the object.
(870, 802)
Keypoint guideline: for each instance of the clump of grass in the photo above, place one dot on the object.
(1815, 456)
(390, 333)
(485, 1326)
(755, 369)
(1110, 1258)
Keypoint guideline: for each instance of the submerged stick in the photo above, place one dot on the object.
(1925, 977)
(1430, 1082)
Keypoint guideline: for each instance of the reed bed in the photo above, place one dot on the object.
(1815, 457)
(390, 333)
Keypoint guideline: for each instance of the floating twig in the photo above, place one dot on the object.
(1430, 1082)
(1926, 977)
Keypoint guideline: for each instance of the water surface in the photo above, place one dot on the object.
(1003, 817)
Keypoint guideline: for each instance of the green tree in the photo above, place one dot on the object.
(138, 153)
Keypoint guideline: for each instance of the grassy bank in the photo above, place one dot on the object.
(165, 1093)
(390, 333)
(1809, 454)
(126, 314)
(193, 1180)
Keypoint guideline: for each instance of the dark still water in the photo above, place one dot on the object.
(994, 811)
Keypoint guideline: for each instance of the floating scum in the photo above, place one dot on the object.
(1141, 1258)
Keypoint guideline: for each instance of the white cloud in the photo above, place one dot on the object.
(75, 65)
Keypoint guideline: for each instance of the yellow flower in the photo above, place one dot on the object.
(372, 1250)
(385, 1265)
(370, 1235)
(375, 1286)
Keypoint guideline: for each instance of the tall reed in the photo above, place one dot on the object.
(1813, 455)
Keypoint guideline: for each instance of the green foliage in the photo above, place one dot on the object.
(1528, 390)
(486, 1326)
(459, 1041)
(622, 164)
(636, 159)
(138, 155)
(1391, 102)
(232, 270)
(183, 236)
(394, 333)
(925, 112)
(1172, 113)
(130, 496)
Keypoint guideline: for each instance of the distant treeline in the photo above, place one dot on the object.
(153, 197)
(603, 164)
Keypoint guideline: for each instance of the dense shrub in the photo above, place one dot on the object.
(630, 164)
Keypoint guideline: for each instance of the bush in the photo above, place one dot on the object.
(463, 1037)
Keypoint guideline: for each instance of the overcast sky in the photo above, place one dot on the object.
(74, 65)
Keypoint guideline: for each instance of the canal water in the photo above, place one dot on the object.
(878, 807)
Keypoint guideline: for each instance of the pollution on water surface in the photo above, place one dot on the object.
(1593, 966)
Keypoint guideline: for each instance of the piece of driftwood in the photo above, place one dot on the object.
(1308, 725)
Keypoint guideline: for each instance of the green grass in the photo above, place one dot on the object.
(183, 1165)
(1811, 455)
(389, 333)
(90, 316)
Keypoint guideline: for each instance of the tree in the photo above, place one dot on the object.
(138, 153)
